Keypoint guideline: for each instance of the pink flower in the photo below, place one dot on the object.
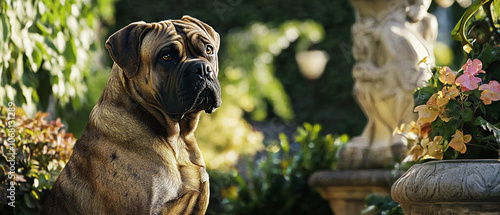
(491, 92)
(473, 67)
(467, 80)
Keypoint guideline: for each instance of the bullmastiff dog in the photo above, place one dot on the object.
(138, 153)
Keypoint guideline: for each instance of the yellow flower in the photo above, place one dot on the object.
(446, 76)
(409, 128)
(416, 151)
(426, 114)
(431, 110)
(434, 149)
(409, 131)
(459, 140)
(451, 92)
(441, 100)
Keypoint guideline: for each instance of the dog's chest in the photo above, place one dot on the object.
(192, 183)
(192, 176)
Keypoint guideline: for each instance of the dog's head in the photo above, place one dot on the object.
(172, 64)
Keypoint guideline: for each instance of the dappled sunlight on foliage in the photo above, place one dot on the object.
(223, 136)
(277, 182)
(45, 50)
(249, 76)
(249, 86)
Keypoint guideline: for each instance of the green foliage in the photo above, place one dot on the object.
(277, 183)
(459, 32)
(45, 48)
(41, 150)
(382, 205)
(248, 77)
(248, 73)
(477, 30)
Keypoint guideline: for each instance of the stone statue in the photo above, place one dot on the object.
(390, 38)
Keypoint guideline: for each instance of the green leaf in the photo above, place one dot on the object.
(458, 33)
(4, 29)
(27, 201)
(70, 51)
(495, 13)
(487, 55)
(423, 94)
(482, 108)
(284, 142)
(37, 58)
(452, 105)
(489, 127)
(43, 29)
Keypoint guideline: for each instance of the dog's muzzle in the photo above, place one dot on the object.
(209, 93)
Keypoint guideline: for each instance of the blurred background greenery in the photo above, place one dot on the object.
(52, 59)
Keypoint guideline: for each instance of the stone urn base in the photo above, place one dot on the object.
(450, 187)
(346, 190)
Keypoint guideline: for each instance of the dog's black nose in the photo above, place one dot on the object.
(202, 69)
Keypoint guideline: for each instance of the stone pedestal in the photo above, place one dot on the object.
(347, 190)
(450, 187)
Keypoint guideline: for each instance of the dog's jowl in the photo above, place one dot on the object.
(138, 154)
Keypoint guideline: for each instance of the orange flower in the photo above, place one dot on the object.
(425, 129)
(491, 92)
(459, 140)
(446, 76)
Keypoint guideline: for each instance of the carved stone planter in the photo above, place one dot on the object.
(450, 187)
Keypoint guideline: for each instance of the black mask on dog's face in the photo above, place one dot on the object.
(177, 59)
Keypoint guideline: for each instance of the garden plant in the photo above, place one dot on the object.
(458, 111)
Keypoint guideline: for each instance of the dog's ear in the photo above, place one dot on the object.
(207, 28)
(124, 47)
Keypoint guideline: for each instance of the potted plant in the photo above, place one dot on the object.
(458, 125)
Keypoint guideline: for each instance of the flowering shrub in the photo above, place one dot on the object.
(457, 115)
(31, 162)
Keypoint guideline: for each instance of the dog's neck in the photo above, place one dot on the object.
(118, 99)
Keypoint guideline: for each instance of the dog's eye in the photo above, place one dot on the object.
(209, 50)
(166, 57)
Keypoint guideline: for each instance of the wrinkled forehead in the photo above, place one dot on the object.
(174, 32)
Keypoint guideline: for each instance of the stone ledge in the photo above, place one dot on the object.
(377, 177)
(346, 190)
